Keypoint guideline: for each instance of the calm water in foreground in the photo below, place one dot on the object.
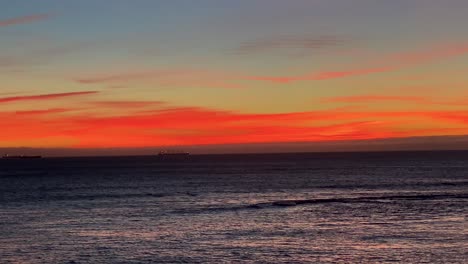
(349, 208)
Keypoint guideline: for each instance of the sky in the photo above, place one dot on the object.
(147, 73)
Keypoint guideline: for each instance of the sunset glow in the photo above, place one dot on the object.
(98, 74)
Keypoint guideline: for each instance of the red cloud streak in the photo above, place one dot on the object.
(23, 20)
(391, 63)
(44, 96)
(126, 104)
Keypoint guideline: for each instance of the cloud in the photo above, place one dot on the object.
(288, 43)
(44, 96)
(388, 98)
(189, 126)
(456, 116)
(390, 63)
(23, 20)
(39, 56)
(192, 125)
(43, 112)
(123, 77)
(374, 98)
(126, 104)
(177, 77)
(184, 77)
(186, 125)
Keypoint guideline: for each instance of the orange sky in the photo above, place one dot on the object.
(97, 76)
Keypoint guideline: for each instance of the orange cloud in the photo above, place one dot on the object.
(44, 96)
(456, 116)
(193, 125)
(391, 63)
(42, 112)
(23, 20)
(126, 104)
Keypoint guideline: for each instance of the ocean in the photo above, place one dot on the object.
(407, 207)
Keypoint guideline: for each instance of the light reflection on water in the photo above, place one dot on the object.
(205, 215)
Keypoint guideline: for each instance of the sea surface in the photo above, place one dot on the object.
(407, 207)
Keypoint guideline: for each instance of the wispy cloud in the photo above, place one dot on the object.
(374, 98)
(289, 43)
(177, 77)
(127, 76)
(390, 63)
(187, 77)
(44, 96)
(388, 98)
(43, 112)
(126, 104)
(39, 56)
(23, 20)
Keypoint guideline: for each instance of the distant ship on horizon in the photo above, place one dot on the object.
(173, 154)
(7, 156)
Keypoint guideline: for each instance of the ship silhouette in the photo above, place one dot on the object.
(7, 156)
(173, 155)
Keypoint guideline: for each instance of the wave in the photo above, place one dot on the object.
(298, 202)
(89, 197)
(393, 185)
(371, 199)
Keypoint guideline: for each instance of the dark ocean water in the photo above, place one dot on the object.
(407, 207)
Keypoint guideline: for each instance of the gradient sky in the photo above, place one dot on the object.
(92, 74)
